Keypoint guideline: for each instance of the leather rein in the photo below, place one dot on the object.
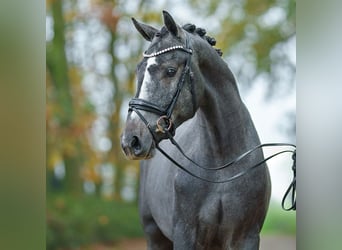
(165, 126)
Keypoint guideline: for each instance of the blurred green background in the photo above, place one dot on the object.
(92, 50)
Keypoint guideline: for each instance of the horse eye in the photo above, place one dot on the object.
(170, 72)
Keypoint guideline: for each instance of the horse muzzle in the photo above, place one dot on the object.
(134, 148)
(137, 143)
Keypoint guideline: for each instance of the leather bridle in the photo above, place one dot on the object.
(164, 125)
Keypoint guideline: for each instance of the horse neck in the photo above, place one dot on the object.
(222, 113)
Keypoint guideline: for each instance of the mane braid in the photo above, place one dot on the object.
(191, 28)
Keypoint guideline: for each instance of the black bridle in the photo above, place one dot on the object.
(164, 123)
(165, 126)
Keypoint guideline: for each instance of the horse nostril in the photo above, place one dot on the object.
(135, 144)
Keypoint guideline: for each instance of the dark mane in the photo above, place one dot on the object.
(191, 28)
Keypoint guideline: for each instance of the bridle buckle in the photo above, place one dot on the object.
(164, 124)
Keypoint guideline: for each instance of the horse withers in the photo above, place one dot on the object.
(187, 94)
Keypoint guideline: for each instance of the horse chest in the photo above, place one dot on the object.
(196, 199)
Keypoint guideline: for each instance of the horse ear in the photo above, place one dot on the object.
(145, 30)
(170, 23)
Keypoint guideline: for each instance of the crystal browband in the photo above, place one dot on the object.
(178, 47)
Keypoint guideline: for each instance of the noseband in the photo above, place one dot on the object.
(164, 125)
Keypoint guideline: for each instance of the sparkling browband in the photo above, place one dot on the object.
(180, 47)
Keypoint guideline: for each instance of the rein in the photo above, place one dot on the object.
(164, 125)
(291, 190)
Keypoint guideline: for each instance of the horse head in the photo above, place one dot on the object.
(170, 86)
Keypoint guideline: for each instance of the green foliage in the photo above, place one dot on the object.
(76, 221)
(279, 221)
(253, 30)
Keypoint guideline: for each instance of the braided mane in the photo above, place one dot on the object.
(191, 28)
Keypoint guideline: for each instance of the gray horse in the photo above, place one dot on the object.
(187, 93)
